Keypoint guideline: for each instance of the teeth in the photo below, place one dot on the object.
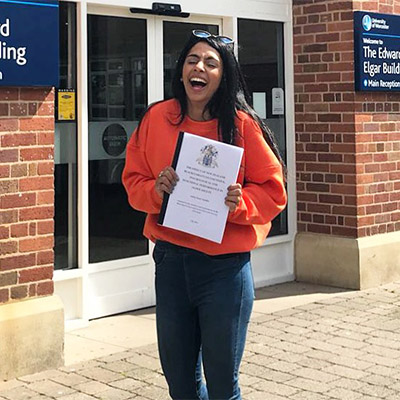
(198, 80)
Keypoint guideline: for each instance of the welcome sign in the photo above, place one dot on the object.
(377, 52)
(29, 43)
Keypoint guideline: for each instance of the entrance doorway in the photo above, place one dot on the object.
(120, 51)
(117, 63)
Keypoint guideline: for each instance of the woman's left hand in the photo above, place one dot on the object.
(233, 196)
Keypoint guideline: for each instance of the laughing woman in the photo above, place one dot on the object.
(204, 290)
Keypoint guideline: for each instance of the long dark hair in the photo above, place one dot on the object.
(231, 96)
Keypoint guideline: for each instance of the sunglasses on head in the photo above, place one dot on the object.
(204, 35)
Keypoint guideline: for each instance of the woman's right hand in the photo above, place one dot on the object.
(166, 181)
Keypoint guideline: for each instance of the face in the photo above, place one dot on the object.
(201, 74)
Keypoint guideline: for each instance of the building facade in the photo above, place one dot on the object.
(347, 151)
(71, 249)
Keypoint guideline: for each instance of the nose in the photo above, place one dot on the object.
(200, 65)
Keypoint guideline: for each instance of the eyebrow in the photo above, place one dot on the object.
(207, 58)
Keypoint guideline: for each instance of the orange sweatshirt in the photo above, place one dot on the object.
(151, 150)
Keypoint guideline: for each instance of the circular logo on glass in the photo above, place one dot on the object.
(114, 140)
(367, 23)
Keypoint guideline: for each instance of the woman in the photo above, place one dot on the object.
(204, 290)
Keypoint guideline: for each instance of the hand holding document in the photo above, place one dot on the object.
(205, 168)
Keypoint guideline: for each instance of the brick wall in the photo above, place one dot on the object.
(348, 154)
(26, 193)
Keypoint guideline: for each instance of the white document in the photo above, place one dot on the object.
(205, 168)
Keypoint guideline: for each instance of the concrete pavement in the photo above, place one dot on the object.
(304, 342)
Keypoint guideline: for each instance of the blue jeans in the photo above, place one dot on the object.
(203, 310)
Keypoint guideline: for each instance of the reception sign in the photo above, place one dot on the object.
(29, 43)
(377, 52)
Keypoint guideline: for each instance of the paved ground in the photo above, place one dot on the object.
(345, 347)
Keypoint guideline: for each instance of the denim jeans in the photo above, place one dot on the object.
(203, 310)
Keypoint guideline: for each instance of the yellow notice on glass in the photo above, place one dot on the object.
(66, 105)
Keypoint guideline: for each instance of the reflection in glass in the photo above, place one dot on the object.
(175, 36)
(98, 66)
(99, 89)
(261, 58)
(65, 173)
(117, 98)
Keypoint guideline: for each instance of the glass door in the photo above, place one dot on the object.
(120, 274)
(116, 65)
(117, 83)
(124, 61)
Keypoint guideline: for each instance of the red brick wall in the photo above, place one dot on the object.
(26, 193)
(348, 164)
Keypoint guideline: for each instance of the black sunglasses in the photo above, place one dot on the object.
(204, 35)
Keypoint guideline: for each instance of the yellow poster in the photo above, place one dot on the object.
(66, 105)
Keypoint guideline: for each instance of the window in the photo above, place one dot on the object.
(65, 150)
(261, 57)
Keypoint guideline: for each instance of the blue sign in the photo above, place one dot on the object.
(377, 52)
(29, 41)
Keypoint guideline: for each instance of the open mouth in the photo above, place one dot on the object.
(198, 83)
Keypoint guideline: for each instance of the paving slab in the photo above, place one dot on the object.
(339, 346)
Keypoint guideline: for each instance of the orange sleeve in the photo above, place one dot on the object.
(263, 193)
(137, 177)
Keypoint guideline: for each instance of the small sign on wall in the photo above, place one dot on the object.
(260, 104)
(29, 38)
(377, 52)
(66, 105)
(278, 101)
